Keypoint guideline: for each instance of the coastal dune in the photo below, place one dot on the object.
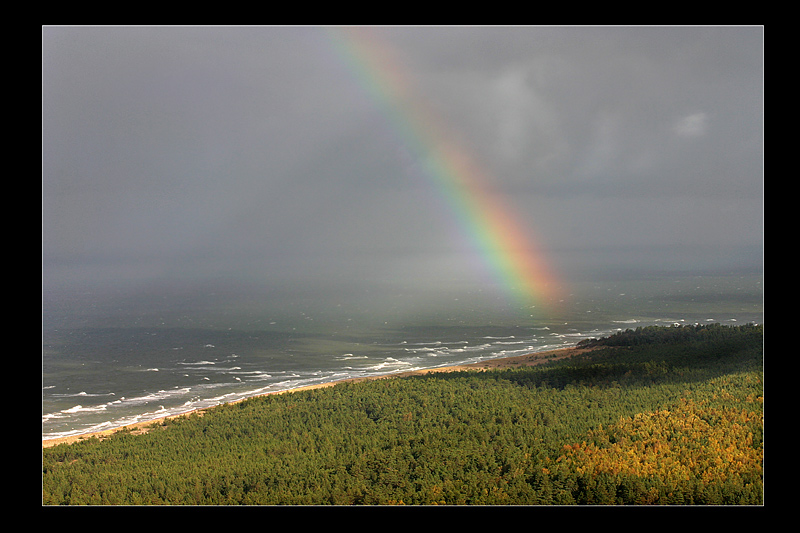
(531, 359)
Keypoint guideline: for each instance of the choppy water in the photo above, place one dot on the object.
(113, 358)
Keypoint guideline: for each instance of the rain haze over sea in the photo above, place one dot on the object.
(229, 211)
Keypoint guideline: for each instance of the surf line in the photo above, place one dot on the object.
(482, 216)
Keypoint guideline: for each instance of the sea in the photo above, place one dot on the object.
(118, 356)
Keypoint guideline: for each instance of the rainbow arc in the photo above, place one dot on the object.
(484, 219)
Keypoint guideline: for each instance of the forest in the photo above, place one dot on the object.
(649, 416)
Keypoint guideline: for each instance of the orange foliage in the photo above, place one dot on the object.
(690, 440)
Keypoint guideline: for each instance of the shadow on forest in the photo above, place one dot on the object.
(619, 362)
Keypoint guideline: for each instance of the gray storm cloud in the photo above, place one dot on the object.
(257, 153)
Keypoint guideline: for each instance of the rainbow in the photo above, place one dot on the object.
(489, 224)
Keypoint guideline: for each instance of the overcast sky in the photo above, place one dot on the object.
(258, 152)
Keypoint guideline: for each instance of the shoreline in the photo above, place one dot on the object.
(531, 359)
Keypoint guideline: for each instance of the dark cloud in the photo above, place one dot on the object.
(256, 152)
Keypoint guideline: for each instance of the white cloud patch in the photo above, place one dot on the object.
(694, 125)
(525, 125)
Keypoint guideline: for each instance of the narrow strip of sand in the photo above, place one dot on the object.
(530, 359)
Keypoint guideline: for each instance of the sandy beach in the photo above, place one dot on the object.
(505, 362)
